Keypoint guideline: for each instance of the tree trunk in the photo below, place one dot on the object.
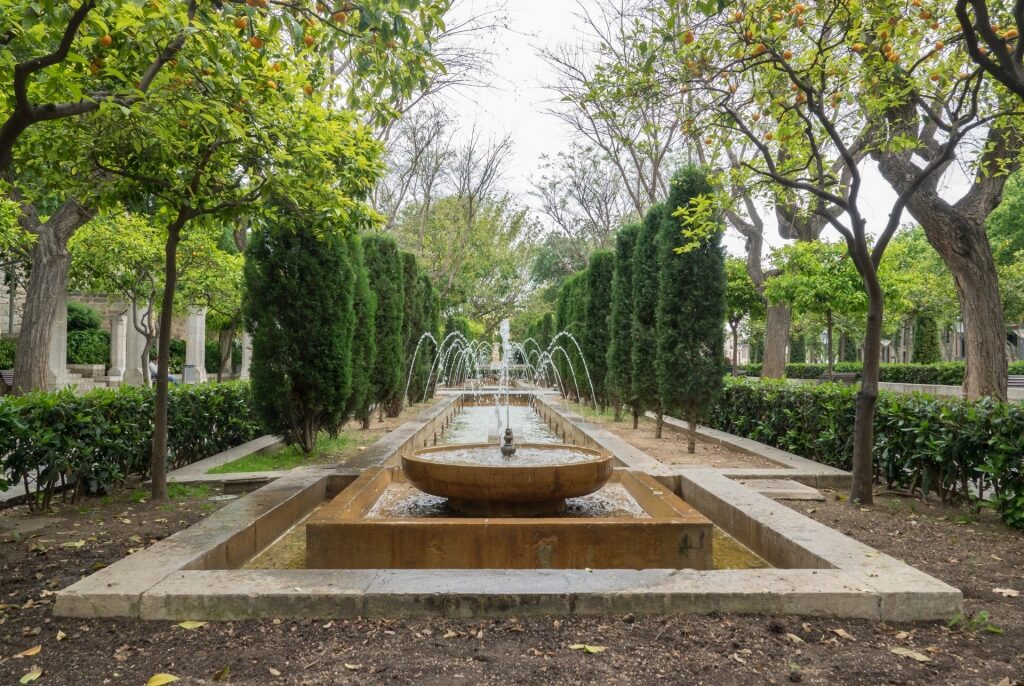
(776, 336)
(659, 424)
(47, 281)
(691, 435)
(158, 459)
(977, 289)
(636, 418)
(828, 343)
(862, 490)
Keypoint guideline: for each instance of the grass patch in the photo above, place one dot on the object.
(288, 458)
(184, 492)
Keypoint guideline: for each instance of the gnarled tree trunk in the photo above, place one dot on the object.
(46, 284)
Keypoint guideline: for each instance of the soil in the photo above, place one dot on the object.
(364, 438)
(671, 447)
(974, 553)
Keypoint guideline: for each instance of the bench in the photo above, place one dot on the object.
(6, 381)
(1015, 381)
(845, 378)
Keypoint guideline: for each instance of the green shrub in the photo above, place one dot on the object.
(88, 346)
(941, 373)
(954, 447)
(177, 355)
(7, 347)
(213, 355)
(82, 317)
(95, 441)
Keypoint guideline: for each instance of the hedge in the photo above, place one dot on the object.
(942, 373)
(93, 442)
(7, 346)
(89, 346)
(960, 449)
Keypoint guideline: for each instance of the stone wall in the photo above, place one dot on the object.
(107, 306)
(5, 309)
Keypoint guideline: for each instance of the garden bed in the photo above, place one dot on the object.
(975, 554)
(671, 447)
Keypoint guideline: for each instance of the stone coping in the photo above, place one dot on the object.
(197, 471)
(194, 573)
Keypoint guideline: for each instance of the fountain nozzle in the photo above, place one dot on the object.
(508, 449)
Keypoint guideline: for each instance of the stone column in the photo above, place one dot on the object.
(135, 343)
(57, 365)
(118, 345)
(195, 346)
(246, 354)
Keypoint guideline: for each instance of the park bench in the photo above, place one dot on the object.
(845, 378)
(6, 381)
(1015, 381)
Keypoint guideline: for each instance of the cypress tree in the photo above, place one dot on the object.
(597, 305)
(797, 350)
(620, 349)
(691, 309)
(299, 307)
(570, 317)
(412, 328)
(644, 322)
(427, 315)
(384, 269)
(926, 341)
(364, 343)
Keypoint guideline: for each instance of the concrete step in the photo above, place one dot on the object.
(783, 489)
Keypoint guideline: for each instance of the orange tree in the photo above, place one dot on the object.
(61, 62)
(814, 88)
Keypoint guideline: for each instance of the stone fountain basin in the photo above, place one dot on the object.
(506, 480)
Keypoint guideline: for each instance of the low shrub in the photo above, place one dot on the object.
(7, 347)
(82, 317)
(93, 442)
(963, 450)
(942, 373)
(89, 346)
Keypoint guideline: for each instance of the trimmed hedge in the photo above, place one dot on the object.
(7, 347)
(960, 449)
(942, 373)
(89, 346)
(95, 441)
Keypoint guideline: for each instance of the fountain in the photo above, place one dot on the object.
(503, 503)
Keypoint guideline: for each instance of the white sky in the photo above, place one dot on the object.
(516, 100)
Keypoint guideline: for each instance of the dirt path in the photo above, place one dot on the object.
(977, 555)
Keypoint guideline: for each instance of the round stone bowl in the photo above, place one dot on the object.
(478, 481)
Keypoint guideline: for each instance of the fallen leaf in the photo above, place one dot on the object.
(1006, 592)
(61, 635)
(275, 672)
(190, 625)
(29, 652)
(161, 679)
(912, 654)
(793, 638)
(450, 634)
(841, 633)
(996, 557)
(73, 544)
(31, 675)
(135, 538)
(587, 648)
(349, 665)
(873, 553)
(223, 674)
(902, 636)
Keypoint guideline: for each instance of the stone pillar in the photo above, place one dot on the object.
(135, 343)
(118, 345)
(57, 364)
(195, 346)
(246, 354)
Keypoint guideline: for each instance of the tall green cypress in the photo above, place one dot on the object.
(298, 305)
(644, 321)
(427, 314)
(364, 343)
(412, 328)
(570, 318)
(620, 325)
(926, 341)
(384, 269)
(691, 309)
(597, 305)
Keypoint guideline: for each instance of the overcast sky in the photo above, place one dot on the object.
(516, 99)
